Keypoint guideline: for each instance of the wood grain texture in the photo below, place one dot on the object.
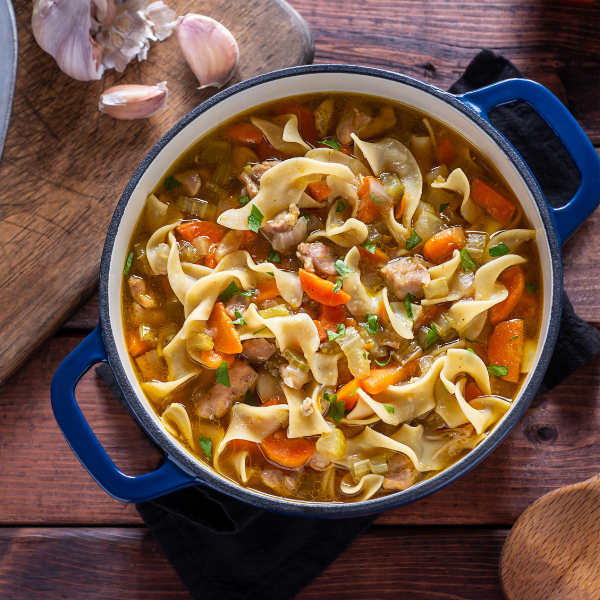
(68, 163)
(127, 564)
(553, 445)
(559, 538)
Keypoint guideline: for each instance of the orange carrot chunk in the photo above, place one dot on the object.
(267, 290)
(444, 153)
(135, 345)
(348, 394)
(496, 205)
(514, 280)
(212, 359)
(472, 392)
(527, 308)
(226, 338)
(440, 247)
(380, 378)
(402, 206)
(505, 347)
(245, 133)
(290, 453)
(321, 290)
(319, 191)
(191, 230)
(373, 199)
(379, 257)
(211, 259)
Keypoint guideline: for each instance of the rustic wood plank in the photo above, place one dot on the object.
(43, 482)
(71, 163)
(127, 564)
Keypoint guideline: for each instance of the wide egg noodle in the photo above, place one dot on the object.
(361, 302)
(463, 361)
(275, 134)
(157, 259)
(511, 238)
(351, 232)
(176, 421)
(447, 406)
(457, 182)
(291, 133)
(304, 426)
(366, 488)
(342, 189)
(157, 390)
(180, 282)
(398, 316)
(280, 186)
(177, 359)
(450, 271)
(489, 413)
(335, 156)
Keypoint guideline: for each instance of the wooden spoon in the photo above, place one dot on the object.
(553, 550)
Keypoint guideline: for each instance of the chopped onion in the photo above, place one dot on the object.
(146, 333)
(442, 171)
(427, 224)
(358, 363)
(268, 386)
(529, 348)
(436, 288)
(276, 311)
(198, 342)
(464, 284)
(412, 351)
(444, 324)
(202, 245)
(350, 341)
(476, 243)
(333, 443)
(393, 184)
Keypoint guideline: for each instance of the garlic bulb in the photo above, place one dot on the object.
(134, 101)
(209, 49)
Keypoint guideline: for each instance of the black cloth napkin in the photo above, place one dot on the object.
(223, 549)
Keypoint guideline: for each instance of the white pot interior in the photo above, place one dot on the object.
(303, 84)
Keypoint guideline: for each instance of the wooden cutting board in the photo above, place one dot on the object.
(65, 164)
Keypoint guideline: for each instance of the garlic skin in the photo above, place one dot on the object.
(128, 102)
(209, 49)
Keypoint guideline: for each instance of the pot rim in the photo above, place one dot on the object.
(422, 489)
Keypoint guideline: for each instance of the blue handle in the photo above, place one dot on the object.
(570, 217)
(85, 444)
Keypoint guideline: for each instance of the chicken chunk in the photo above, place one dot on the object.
(231, 241)
(251, 185)
(401, 473)
(259, 170)
(220, 399)
(286, 229)
(352, 123)
(251, 178)
(319, 461)
(317, 258)
(258, 350)
(323, 116)
(239, 303)
(137, 286)
(271, 477)
(294, 377)
(406, 276)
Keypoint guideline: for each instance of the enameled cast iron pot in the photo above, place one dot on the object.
(467, 114)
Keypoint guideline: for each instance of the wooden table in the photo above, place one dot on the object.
(61, 536)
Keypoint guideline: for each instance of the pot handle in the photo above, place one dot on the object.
(570, 217)
(168, 478)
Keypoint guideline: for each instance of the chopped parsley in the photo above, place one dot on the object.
(444, 385)
(255, 332)
(273, 257)
(369, 246)
(500, 250)
(255, 219)
(270, 273)
(206, 445)
(468, 264)
(244, 200)
(413, 241)
(304, 214)
(468, 340)
(240, 319)
(371, 324)
(338, 285)
(432, 336)
(389, 408)
(443, 207)
(471, 350)
(170, 183)
(223, 374)
(407, 306)
(515, 337)
(336, 408)
(233, 290)
(331, 336)
(331, 143)
(497, 370)
(128, 263)
(341, 207)
(342, 268)
(532, 289)
(250, 399)
(386, 363)
(352, 393)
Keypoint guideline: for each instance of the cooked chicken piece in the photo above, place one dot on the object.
(317, 258)
(258, 350)
(306, 409)
(406, 276)
(259, 170)
(137, 286)
(271, 477)
(190, 183)
(239, 302)
(241, 378)
(290, 482)
(286, 229)
(401, 473)
(319, 462)
(293, 377)
(323, 116)
(230, 243)
(251, 186)
(380, 125)
(352, 123)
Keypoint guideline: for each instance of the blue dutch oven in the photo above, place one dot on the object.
(467, 114)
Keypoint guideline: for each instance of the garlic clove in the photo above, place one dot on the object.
(209, 49)
(134, 101)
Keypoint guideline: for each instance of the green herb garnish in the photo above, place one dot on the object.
(352, 393)
(413, 241)
(432, 336)
(244, 200)
(331, 143)
(336, 408)
(386, 363)
(338, 285)
(407, 306)
(170, 183)
(223, 374)
(500, 250)
(444, 386)
(515, 337)
(255, 332)
(255, 219)
(532, 289)
(468, 340)
(389, 408)
(468, 264)
(270, 273)
(443, 207)
(342, 268)
(304, 214)
(471, 350)
(341, 207)
(231, 290)
(250, 399)
(240, 319)
(206, 445)
(497, 370)
(371, 324)
(128, 263)
(273, 257)
(369, 246)
(331, 336)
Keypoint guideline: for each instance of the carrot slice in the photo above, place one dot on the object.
(472, 392)
(496, 205)
(505, 347)
(348, 394)
(290, 453)
(319, 191)
(514, 280)
(267, 290)
(306, 120)
(330, 318)
(402, 206)
(226, 338)
(244, 445)
(321, 290)
(444, 153)
(136, 346)
(212, 359)
(191, 230)
(382, 313)
(441, 246)
(527, 308)
(347, 150)
(373, 198)
(272, 402)
(211, 260)
(245, 133)
(379, 257)
(381, 378)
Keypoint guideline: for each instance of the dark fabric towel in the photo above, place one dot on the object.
(223, 549)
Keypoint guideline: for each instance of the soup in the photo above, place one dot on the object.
(331, 298)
